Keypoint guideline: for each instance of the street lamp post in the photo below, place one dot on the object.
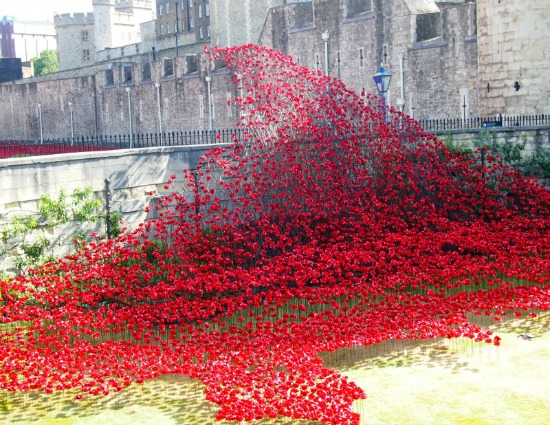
(325, 36)
(40, 122)
(157, 85)
(130, 117)
(382, 80)
(208, 79)
(72, 122)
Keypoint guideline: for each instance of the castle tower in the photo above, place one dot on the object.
(239, 22)
(75, 40)
(103, 28)
(513, 56)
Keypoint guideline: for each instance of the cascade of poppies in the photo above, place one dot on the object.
(324, 228)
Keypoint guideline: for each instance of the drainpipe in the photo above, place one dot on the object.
(401, 100)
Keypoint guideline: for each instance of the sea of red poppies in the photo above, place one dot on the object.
(17, 149)
(326, 228)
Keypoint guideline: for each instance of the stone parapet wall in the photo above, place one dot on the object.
(535, 138)
(133, 176)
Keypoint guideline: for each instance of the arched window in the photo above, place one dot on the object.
(201, 33)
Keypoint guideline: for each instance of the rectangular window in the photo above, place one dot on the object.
(109, 77)
(167, 8)
(207, 9)
(190, 4)
(168, 67)
(84, 36)
(86, 54)
(357, 7)
(201, 33)
(428, 26)
(191, 23)
(200, 11)
(127, 74)
(208, 33)
(146, 71)
(161, 10)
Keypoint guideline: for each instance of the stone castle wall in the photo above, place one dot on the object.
(133, 175)
(513, 48)
(69, 29)
(437, 72)
(101, 101)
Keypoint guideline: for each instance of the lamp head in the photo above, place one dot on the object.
(382, 80)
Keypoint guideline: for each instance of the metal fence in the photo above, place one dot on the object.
(18, 148)
(485, 122)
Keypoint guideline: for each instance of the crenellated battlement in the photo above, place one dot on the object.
(126, 4)
(66, 19)
(103, 2)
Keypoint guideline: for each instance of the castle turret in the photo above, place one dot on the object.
(104, 20)
(75, 40)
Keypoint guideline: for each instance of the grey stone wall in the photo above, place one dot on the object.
(133, 175)
(439, 73)
(513, 48)
(75, 33)
(101, 107)
(535, 138)
(236, 22)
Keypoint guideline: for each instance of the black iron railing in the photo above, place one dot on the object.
(18, 148)
(485, 122)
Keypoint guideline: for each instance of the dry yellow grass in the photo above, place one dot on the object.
(454, 382)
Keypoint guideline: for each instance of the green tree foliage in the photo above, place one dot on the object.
(46, 62)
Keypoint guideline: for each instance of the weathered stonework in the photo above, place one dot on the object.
(101, 107)
(437, 72)
(449, 59)
(112, 24)
(513, 39)
(133, 176)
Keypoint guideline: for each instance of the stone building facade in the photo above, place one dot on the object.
(449, 59)
(514, 56)
(7, 42)
(25, 39)
(169, 94)
(112, 24)
(187, 18)
(236, 22)
(432, 57)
